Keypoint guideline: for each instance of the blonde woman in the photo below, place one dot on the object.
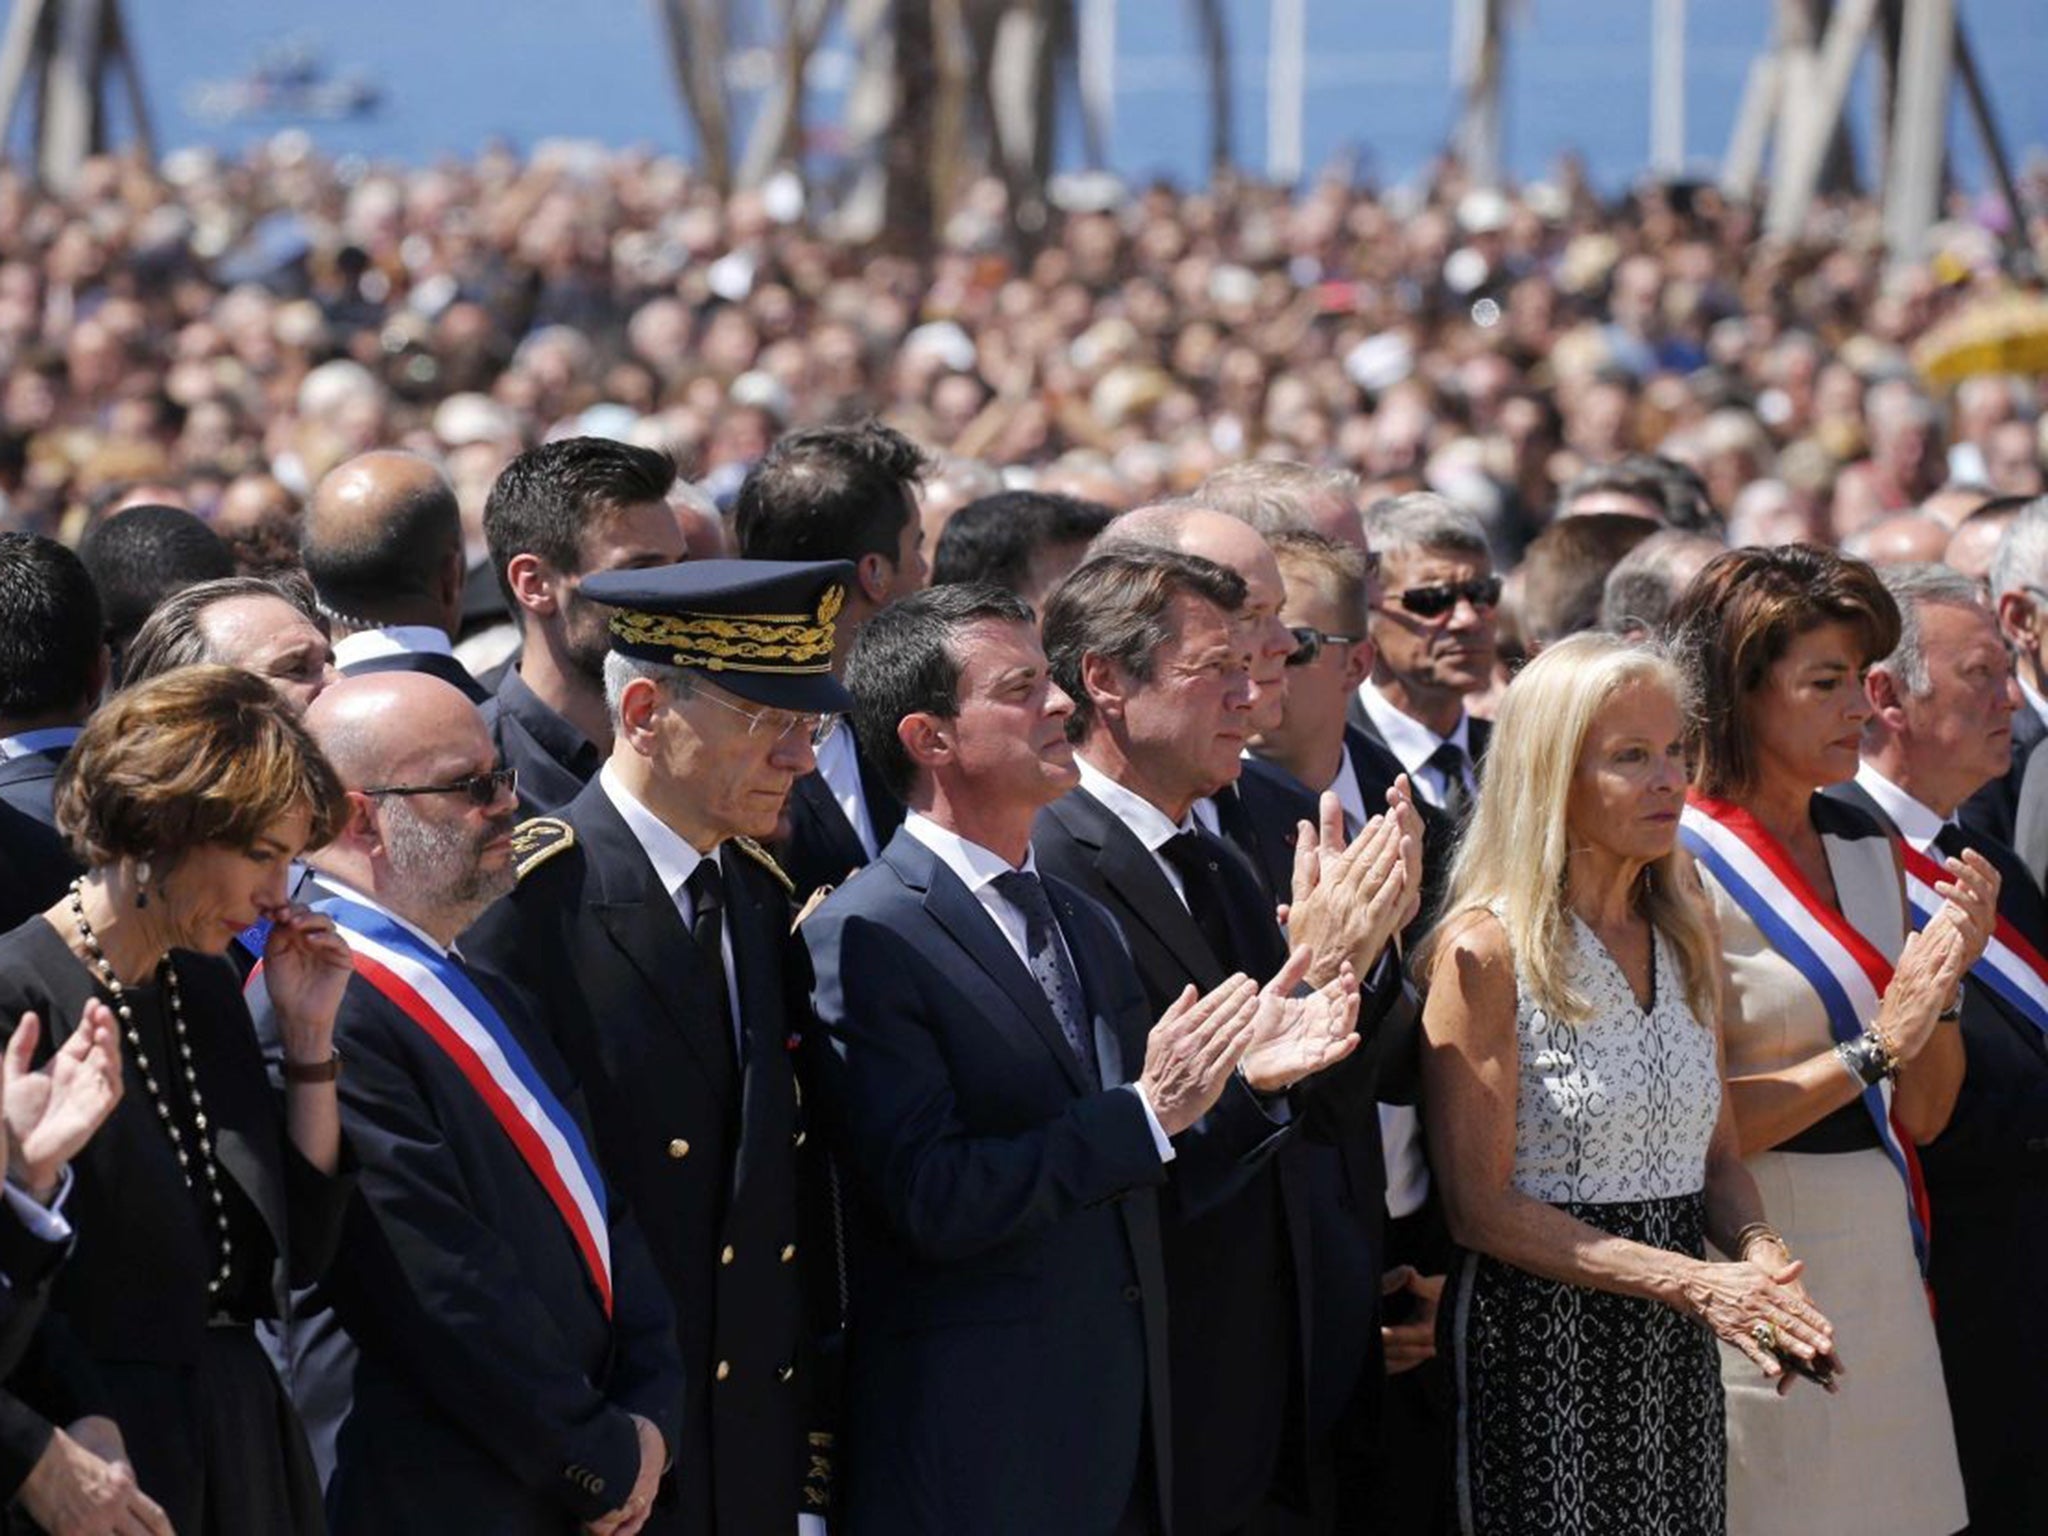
(1579, 1131)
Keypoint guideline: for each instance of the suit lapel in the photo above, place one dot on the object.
(1132, 873)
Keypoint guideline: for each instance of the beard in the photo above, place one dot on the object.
(440, 867)
(586, 634)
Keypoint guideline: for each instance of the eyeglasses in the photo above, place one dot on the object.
(817, 729)
(1433, 602)
(483, 789)
(1309, 643)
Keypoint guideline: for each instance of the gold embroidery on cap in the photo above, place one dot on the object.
(748, 642)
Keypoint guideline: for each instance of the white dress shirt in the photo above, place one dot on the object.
(51, 738)
(1918, 824)
(1149, 824)
(1412, 742)
(840, 766)
(1345, 787)
(397, 640)
(2034, 700)
(674, 861)
(978, 869)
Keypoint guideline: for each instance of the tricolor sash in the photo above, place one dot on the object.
(1839, 963)
(437, 995)
(2010, 966)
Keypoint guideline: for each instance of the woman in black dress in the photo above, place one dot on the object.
(200, 1201)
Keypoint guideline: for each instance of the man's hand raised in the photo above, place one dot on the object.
(1297, 1037)
(1350, 900)
(1193, 1049)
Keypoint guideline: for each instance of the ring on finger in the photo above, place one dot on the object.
(1766, 1336)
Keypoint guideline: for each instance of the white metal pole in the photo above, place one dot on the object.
(1286, 87)
(1667, 87)
(1098, 70)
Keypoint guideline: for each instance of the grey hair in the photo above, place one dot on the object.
(1644, 583)
(2022, 558)
(1914, 587)
(1273, 495)
(620, 670)
(1425, 520)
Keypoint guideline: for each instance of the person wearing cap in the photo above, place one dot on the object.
(557, 515)
(654, 933)
(839, 493)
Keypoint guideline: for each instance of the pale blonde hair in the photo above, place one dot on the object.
(1513, 859)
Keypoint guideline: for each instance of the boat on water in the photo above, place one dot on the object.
(289, 82)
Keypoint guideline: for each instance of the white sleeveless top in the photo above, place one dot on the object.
(1621, 1106)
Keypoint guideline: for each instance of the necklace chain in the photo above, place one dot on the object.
(181, 1041)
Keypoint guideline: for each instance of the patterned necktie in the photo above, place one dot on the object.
(1050, 966)
(707, 928)
(1449, 760)
(1197, 863)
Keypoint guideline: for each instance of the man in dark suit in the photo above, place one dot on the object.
(53, 668)
(1943, 702)
(2019, 590)
(839, 493)
(1148, 645)
(557, 514)
(514, 1365)
(1008, 1110)
(382, 540)
(655, 936)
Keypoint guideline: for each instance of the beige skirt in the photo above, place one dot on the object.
(1880, 1456)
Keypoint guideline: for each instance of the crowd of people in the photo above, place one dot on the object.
(1301, 866)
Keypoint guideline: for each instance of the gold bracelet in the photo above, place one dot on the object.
(1756, 1232)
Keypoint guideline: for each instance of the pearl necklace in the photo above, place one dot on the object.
(107, 979)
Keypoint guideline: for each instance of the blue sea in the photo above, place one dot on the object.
(455, 74)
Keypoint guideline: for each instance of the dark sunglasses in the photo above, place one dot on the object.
(1309, 643)
(1435, 601)
(483, 789)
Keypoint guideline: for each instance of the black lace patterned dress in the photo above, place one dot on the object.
(1580, 1411)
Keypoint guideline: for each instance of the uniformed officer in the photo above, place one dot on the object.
(657, 937)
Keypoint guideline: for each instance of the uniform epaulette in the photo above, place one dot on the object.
(535, 842)
(766, 860)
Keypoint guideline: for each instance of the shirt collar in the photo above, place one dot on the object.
(1149, 824)
(398, 640)
(1917, 824)
(342, 888)
(671, 854)
(546, 725)
(51, 738)
(975, 865)
(1345, 788)
(1408, 738)
(2034, 700)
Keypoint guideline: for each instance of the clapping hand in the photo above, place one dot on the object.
(306, 967)
(51, 1114)
(1937, 958)
(1297, 1037)
(1349, 900)
(1192, 1050)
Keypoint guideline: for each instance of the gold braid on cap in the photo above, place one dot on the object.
(736, 642)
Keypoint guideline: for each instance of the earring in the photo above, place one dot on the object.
(141, 884)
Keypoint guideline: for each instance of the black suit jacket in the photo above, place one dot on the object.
(1987, 1184)
(706, 1156)
(39, 862)
(554, 759)
(433, 663)
(1007, 1370)
(1478, 732)
(1250, 1369)
(1993, 812)
(820, 847)
(490, 1389)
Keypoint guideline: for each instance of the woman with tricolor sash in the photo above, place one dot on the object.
(1842, 1048)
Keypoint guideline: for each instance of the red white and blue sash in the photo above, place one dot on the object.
(1839, 963)
(436, 994)
(2011, 967)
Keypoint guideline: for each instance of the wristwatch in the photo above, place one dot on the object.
(313, 1071)
(1954, 1010)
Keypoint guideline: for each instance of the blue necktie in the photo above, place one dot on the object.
(1050, 966)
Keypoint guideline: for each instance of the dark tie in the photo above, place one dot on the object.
(1197, 859)
(1050, 967)
(1950, 841)
(707, 928)
(1449, 761)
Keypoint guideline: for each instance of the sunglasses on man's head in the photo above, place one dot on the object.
(483, 789)
(1309, 643)
(1433, 602)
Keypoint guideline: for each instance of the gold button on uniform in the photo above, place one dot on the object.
(785, 1373)
(788, 1253)
(679, 1148)
(725, 1255)
(724, 1369)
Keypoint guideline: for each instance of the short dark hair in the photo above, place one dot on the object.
(544, 500)
(360, 566)
(51, 628)
(1565, 568)
(904, 664)
(170, 637)
(1739, 615)
(993, 538)
(1676, 488)
(830, 493)
(141, 555)
(1115, 605)
(200, 755)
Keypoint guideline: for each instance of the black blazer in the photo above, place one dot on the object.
(39, 863)
(433, 663)
(1993, 812)
(1007, 1365)
(1478, 732)
(49, 1378)
(706, 1157)
(554, 759)
(1249, 1369)
(490, 1390)
(1987, 1184)
(820, 847)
